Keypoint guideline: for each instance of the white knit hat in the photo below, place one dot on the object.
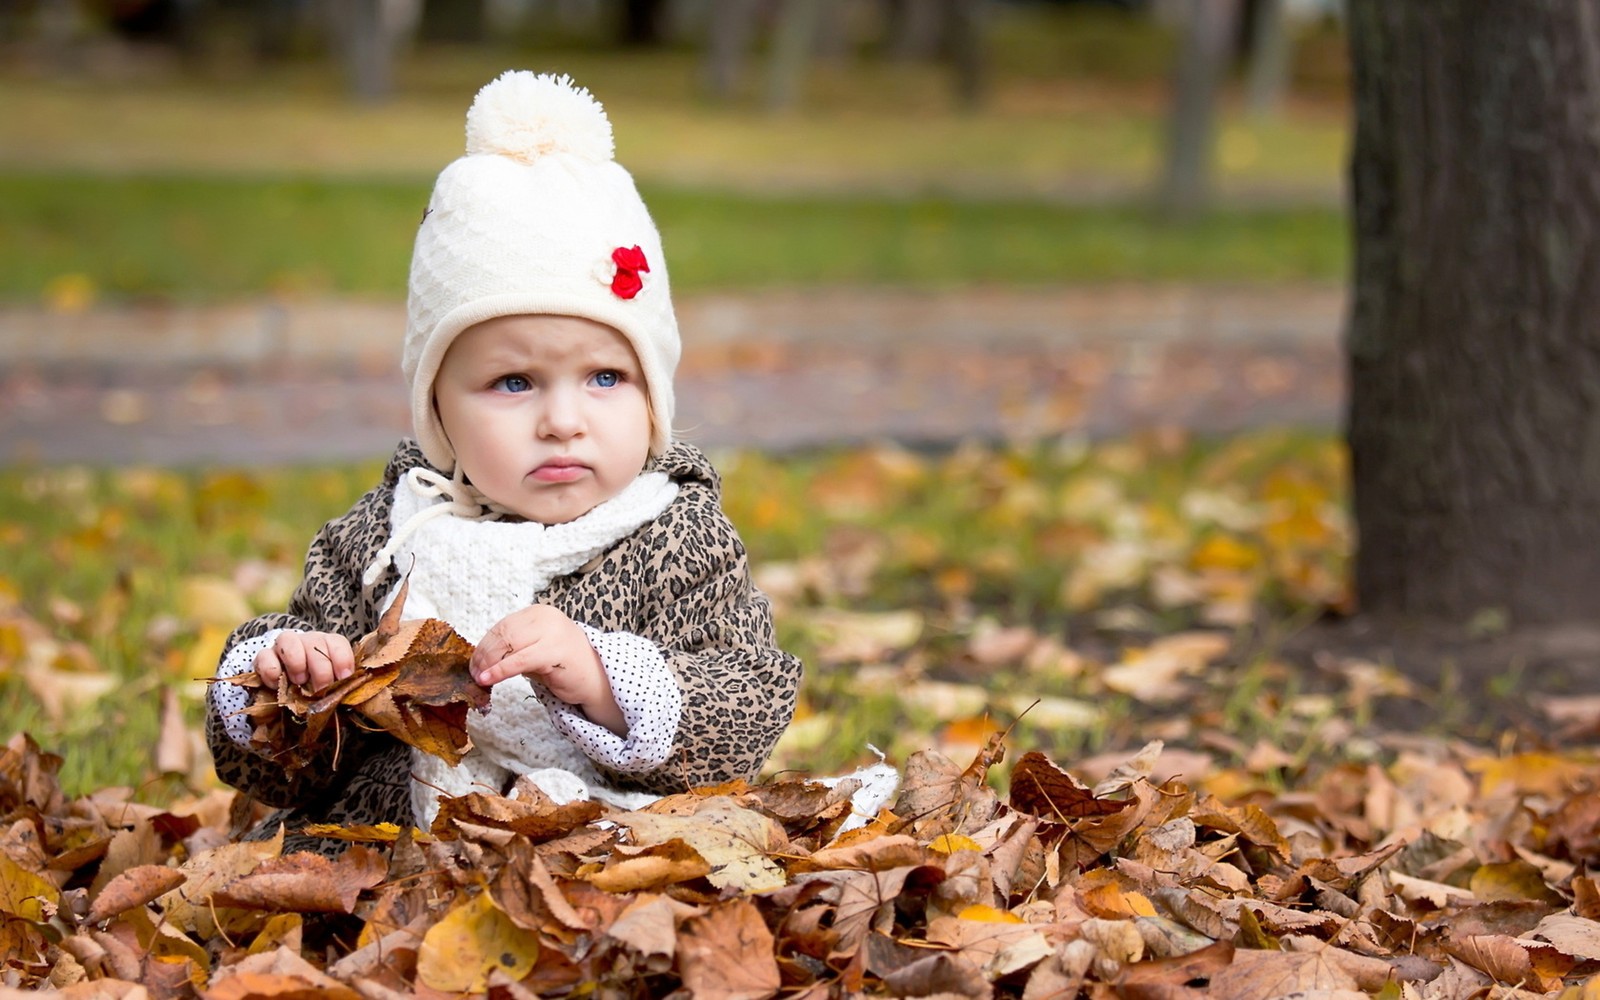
(536, 218)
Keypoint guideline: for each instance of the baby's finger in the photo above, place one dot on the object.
(524, 661)
(319, 663)
(343, 657)
(292, 655)
(267, 667)
(492, 649)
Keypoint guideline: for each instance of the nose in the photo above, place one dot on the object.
(561, 417)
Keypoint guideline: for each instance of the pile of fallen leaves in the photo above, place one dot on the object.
(1446, 873)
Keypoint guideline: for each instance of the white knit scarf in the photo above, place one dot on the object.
(471, 568)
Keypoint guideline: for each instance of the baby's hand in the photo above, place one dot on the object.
(310, 659)
(543, 643)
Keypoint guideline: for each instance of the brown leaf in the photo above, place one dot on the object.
(650, 868)
(1586, 897)
(393, 615)
(531, 897)
(729, 952)
(862, 895)
(997, 947)
(306, 883)
(1249, 821)
(1512, 960)
(1041, 788)
(134, 887)
(1576, 936)
(536, 817)
(174, 749)
(650, 924)
(879, 853)
(277, 975)
(938, 797)
(411, 681)
(942, 975)
(1178, 970)
(1265, 975)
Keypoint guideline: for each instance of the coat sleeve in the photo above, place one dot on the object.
(329, 599)
(715, 628)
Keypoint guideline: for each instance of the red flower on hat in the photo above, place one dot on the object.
(630, 261)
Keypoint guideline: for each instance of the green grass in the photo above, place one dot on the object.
(218, 237)
(110, 560)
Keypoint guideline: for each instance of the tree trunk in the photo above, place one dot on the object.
(730, 31)
(794, 40)
(1270, 52)
(1474, 339)
(364, 45)
(1208, 29)
(965, 33)
(913, 29)
(641, 24)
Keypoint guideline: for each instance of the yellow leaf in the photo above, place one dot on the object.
(1526, 774)
(945, 700)
(1221, 552)
(1516, 880)
(212, 600)
(950, 843)
(460, 951)
(207, 650)
(1139, 904)
(988, 914)
(24, 894)
(69, 293)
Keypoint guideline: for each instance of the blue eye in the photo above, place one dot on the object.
(607, 379)
(513, 383)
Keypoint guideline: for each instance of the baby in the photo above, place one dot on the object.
(544, 509)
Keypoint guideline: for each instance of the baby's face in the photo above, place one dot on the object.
(548, 415)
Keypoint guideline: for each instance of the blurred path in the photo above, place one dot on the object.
(317, 381)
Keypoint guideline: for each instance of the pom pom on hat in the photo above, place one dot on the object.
(527, 115)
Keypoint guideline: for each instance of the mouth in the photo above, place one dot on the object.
(560, 470)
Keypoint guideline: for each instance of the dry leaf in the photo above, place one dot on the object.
(1041, 788)
(134, 887)
(728, 952)
(411, 680)
(475, 939)
(636, 869)
(733, 840)
(306, 883)
(1264, 975)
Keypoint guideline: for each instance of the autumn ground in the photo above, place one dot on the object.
(1108, 521)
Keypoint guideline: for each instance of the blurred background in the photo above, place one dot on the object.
(1013, 326)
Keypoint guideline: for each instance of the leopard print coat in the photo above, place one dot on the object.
(682, 581)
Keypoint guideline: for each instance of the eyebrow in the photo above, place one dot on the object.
(607, 356)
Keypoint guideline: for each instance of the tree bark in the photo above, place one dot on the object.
(1474, 336)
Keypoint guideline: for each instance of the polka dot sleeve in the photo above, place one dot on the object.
(646, 692)
(228, 700)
